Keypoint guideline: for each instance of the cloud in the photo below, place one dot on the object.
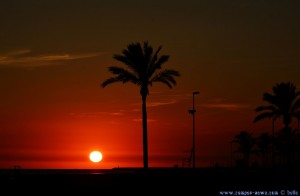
(18, 52)
(166, 102)
(97, 114)
(155, 104)
(26, 58)
(225, 106)
(135, 110)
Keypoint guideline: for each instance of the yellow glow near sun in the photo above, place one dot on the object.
(95, 156)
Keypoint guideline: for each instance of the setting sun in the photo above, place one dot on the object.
(95, 156)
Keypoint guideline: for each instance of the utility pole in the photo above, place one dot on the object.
(193, 113)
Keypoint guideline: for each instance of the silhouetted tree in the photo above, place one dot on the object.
(284, 103)
(143, 66)
(246, 143)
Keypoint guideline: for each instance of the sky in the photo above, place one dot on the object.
(54, 55)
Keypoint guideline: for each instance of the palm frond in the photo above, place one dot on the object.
(135, 53)
(166, 76)
(161, 61)
(122, 75)
(128, 78)
(263, 108)
(123, 59)
(155, 56)
(109, 81)
(116, 70)
(296, 106)
(262, 116)
(148, 50)
(270, 98)
(151, 67)
(129, 61)
(164, 81)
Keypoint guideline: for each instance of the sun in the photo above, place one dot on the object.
(95, 156)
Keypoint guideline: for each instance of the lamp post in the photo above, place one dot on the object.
(193, 113)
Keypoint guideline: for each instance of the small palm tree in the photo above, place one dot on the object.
(143, 67)
(246, 143)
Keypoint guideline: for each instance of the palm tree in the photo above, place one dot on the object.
(142, 68)
(284, 103)
(246, 143)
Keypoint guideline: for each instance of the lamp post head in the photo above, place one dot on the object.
(196, 92)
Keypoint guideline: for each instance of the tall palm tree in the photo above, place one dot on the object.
(143, 66)
(284, 102)
(246, 143)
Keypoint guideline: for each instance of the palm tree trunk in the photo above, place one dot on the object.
(145, 132)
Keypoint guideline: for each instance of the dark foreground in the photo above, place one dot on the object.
(129, 181)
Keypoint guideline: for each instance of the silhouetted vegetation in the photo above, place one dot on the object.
(246, 143)
(284, 103)
(144, 67)
(283, 147)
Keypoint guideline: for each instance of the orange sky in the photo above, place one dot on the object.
(54, 56)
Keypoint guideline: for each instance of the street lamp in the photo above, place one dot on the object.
(193, 113)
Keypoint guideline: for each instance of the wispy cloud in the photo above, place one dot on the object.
(160, 103)
(18, 52)
(225, 106)
(97, 114)
(135, 110)
(26, 58)
(155, 103)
